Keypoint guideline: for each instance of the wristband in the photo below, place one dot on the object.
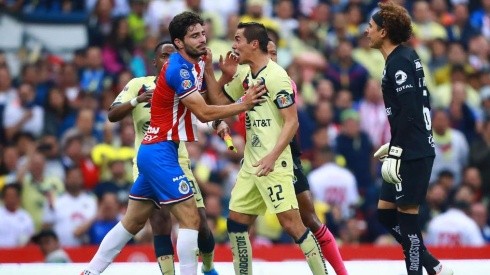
(134, 102)
(216, 123)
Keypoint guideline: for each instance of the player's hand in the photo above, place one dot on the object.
(146, 96)
(382, 152)
(254, 95)
(228, 64)
(223, 129)
(265, 165)
(390, 170)
(208, 59)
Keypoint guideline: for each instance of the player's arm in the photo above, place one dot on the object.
(204, 112)
(403, 75)
(126, 101)
(406, 92)
(215, 93)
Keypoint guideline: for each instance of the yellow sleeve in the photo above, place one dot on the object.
(129, 92)
(281, 91)
(234, 89)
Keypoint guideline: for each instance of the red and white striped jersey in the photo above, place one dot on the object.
(170, 119)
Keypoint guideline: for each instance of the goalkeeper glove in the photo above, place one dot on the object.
(382, 152)
(390, 170)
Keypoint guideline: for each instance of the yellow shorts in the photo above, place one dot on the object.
(185, 164)
(254, 195)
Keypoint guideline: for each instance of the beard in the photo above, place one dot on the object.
(376, 44)
(194, 52)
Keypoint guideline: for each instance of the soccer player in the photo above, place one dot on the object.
(307, 212)
(175, 105)
(408, 158)
(135, 99)
(265, 180)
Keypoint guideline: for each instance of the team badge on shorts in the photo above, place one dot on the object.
(184, 187)
(186, 84)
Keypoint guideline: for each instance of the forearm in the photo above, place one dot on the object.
(213, 112)
(215, 93)
(120, 111)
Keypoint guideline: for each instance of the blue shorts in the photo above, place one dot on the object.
(160, 178)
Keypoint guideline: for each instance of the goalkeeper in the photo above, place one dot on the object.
(408, 158)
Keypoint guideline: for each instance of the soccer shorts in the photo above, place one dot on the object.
(254, 195)
(185, 164)
(300, 181)
(160, 179)
(415, 175)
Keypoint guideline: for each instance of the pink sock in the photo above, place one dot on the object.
(330, 250)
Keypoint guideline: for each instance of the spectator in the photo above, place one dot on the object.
(136, 21)
(450, 145)
(23, 115)
(345, 73)
(58, 115)
(94, 78)
(99, 23)
(50, 247)
(116, 184)
(70, 209)
(69, 85)
(108, 215)
(480, 157)
(435, 204)
(16, 225)
(424, 27)
(461, 29)
(462, 117)
(37, 187)
(372, 112)
(479, 214)
(9, 165)
(356, 147)
(454, 228)
(7, 94)
(49, 147)
(333, 184)
(485, 102)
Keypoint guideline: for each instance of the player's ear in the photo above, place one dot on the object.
(179, 43)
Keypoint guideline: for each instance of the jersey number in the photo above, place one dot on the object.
(278, 193)
(427, 119)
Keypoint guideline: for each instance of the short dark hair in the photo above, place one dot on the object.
(180, 24)
(16, 186)
(157, 47)
(396, 22)
(255, 31)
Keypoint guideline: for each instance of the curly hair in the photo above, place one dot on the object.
(396, 22)
(180, 24)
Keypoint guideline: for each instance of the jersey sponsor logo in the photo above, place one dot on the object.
(149, 138)
(255, 141)
(184, 187)
(186, 84)
(184, 74)
(181, 177)
(283, 99)
(242, 250)
(418, 64)
(260, 122)
(400, 77)
(399, 89)
(430, 139)
(153, 130)
(388, 111)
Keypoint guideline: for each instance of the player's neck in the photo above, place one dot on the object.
(387, 48)
(188, 57)
(258, 63)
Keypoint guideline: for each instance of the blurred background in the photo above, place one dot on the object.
(65, 169)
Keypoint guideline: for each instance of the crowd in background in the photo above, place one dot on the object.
(64, 166)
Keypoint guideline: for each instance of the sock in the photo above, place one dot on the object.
(164, 252)
(310, 247)
(330, 250)
(110, 246)
(205, 242)
(240, 247)
(412, 242)
(187, 251)
(388, 218)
